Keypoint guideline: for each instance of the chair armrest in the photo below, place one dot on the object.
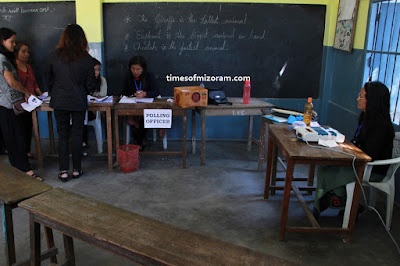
(385, 162)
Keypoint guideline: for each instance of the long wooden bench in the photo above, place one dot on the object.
(135, 237)
(16, 186)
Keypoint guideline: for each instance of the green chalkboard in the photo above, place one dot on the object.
(278, 45)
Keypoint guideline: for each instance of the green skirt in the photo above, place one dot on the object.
(331, 186)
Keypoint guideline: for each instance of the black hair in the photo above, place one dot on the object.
(5, 34)
(138, 60)
(377, 107)
(18, 46)
(98, 80)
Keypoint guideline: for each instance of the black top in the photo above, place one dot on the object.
(147, 83)
(70, 83)
(376, 141)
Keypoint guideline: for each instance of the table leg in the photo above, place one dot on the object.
(50, 242)
(69, 250)
(354, 204)
(184, 140)
(286, 199)
(116, 133)
(8, 233)
(109, 138)
(193, 131)
(261, 146)
(35, 240)
(35, 128)
(51, 131)
(269, 167)
(250, 132)
(274, 167)
(203, 137)
(310, 181)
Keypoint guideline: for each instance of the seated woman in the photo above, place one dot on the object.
(99, 91)
(140, 84)
(374, 136)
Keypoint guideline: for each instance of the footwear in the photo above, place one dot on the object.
(80, 172)
(62, 176)
(36, 176)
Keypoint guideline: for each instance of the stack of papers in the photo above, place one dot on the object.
(126, 99)
(32, 103)
(106, 99)
(275, 118)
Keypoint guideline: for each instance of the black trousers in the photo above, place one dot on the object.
(14, 138)
(27, 117)
(64, 130)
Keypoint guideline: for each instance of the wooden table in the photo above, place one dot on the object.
(236, 109)
(16, 186)
(282, 137)
(137, 238)
(126, 109)
(104, 107)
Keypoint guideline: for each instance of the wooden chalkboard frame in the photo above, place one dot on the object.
(344, 34)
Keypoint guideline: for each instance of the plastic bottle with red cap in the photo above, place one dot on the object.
(308, 107)
(246, 92)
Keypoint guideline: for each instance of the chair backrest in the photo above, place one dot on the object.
(395, 154)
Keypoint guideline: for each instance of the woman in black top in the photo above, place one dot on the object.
(374, 136)
(70, 77)
(141, 84)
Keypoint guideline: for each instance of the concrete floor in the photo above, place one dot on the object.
(223, 199)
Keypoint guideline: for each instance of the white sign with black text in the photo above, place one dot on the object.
(157, 118)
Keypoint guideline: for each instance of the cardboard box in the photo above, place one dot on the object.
(190, 96)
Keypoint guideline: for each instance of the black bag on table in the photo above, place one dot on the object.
(217, 97)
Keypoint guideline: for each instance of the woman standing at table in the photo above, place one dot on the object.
(70, 77)
(374, 136)
(28, 80)
(11, 91)
(141, 84)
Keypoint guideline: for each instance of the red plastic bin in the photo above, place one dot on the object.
(128, 158)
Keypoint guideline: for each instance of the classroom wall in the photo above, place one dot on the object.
(341, 75)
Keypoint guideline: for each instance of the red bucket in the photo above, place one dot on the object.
(128, 158)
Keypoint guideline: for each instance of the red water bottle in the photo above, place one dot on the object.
(246, 92)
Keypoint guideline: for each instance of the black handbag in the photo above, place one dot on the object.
(217, 97)
(17, 107)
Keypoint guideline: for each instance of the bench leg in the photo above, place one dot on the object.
(35, 240)
(69, 250)
(8, 233)
(50, 242)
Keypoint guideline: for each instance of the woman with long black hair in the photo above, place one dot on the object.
(70, 77)
(374, 136)
(12, 91)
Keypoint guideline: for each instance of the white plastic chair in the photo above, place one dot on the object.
(128, 136)
(386, 185)
(96, 124)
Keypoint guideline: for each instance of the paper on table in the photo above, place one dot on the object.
(44, 95)
(105, 99)
(327, 143)
(32, 103)
(126, 99)
(276, 118)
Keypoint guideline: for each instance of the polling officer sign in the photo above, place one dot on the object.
(157, 118)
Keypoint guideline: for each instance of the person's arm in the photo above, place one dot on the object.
(15, 84)
(35, 85)
(152, 89)
(49, 77)
(90, 81)
(103, 87)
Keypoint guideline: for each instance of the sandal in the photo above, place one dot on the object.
(36, 176)
(31, 155)
(80, 172)
(63, 179)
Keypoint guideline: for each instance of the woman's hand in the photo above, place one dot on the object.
(140, 94)
(15, 84)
